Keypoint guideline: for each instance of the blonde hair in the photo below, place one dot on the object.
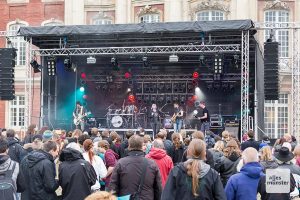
(147, 138)
(266, 154)
(195, 151)
(101, 196)
(219, 146)
(297, 150)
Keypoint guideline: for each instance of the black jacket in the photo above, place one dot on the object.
(209, 158)
(168, 147)
(250, 143)
(127, 173)
(177, 154)
(179, 185)
(124, 149)
(15, 151)
(76, 175)
(227, 167)
(39, 172)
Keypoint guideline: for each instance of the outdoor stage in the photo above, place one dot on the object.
(109, 67)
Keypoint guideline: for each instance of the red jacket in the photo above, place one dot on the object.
(163, 161)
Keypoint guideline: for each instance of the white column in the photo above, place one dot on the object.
(173, 10)
(121, 11)
(74, 12)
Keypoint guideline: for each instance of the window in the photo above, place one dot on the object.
(17, 112)
(276, 117)
(102, 21)
(53, 24)
(213, 15)
(150, 18)
(18, 43)
(282, 36)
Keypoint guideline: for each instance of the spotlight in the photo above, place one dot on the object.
(81, 89)
(202, 59)
(195, 112)
(36, 67)
(83, 75)
(51, 66)
(68, 65)
(145, 61)
(197, 90)
(115, 64)
(218, 64)
(195, 75)
(91, 60)
(131, 98)
(127, 75)
(173, 58)
(128, 89)
(109, 79)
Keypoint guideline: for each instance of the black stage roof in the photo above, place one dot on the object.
(142, 34)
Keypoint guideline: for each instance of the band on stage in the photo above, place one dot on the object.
(129, 117)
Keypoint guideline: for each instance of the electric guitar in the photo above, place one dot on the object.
(173, 119)
(77, 120)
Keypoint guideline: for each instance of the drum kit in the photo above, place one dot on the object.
(128, 117)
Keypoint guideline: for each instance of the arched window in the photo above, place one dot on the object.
(278, 18)
(52, 22)
(100, 21)
(150, 18)
(210, 15)
(18, 42)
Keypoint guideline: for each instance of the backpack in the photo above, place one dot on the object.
(8, 189)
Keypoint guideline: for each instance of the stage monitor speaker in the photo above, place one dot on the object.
(271, 70)
(233, 129)
(7, 65)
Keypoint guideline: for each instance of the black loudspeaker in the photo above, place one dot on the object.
(271, 70)
(7, 65)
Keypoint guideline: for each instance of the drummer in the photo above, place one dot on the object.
(131, 109)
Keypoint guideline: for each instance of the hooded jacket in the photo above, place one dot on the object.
(111, 159)
(163, 161)
(127, 174)
(15, 151)
(39, 172)
(179, 184)
(243, 186)
(76, 175)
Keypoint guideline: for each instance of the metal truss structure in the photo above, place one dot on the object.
(28, 86)
(294, 67)
(245, 83)
(144, 50)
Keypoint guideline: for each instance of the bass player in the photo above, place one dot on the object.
(79, 116)
(177, 117)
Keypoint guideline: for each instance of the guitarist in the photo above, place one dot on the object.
(205, 118)
(177, 117)
(79, 112)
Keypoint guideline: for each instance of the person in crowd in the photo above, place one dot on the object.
(16, 152)
(266, 158)
(95, 134)
(178, 148)
(187, 141)
(116, 143)
(141, 132)
(227, 164)
(209, 139)
(217, 151)
(163, 161)
(124, 145)
(31, 130)
(297, 155)
(278, 144)
(289, 139)
(194, 179)
(225, 137)
(35, 145)
(167, 143)
(47, 135)
(110, 158)
(105, 136)
(81, 140)
(284, 159)
(101, 196)
(10, 173)
(39, 173)
(250, 142)
(95, 161)
(135, 171)
(243, 186)
(76, 175)
(147, 143)
(209, 155)
(77, 133)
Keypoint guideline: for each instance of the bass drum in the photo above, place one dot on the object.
(168, 122)
(116, 121)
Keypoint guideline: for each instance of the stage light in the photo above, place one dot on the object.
(109, 79)
(145, 61)
(36, 67)
(127, 75)
(131, 98)
(202, 59)
(91, 60)
(195, 75)
(115, 63)
(173, 58)
(51, 66)
(83, 75)
(195, 112)
(128, 89)
(197, 89)
(194, 97)
(85, 97)
(218, 64)
(81, 89)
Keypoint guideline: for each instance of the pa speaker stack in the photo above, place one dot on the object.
(271, 70)
(7, 69)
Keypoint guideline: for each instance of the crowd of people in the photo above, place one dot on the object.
(52, 165)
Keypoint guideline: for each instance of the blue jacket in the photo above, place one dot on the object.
(243, 186)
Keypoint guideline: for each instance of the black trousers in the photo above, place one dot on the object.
(155, 127)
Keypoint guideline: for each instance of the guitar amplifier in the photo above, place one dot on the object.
(216, 121)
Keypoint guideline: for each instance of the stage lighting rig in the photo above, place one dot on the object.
(68, 65)
(145, 61)
(91, 60)
(36, 67)
(51, 66)
(115, 63)
(218, 64)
